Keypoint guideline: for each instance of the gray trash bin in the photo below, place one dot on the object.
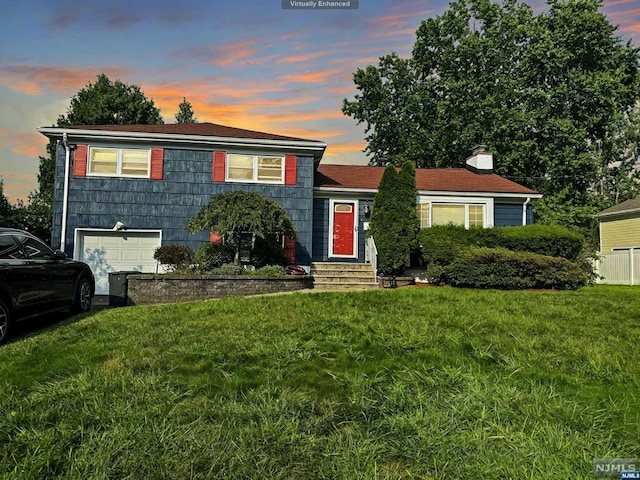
(118, 286)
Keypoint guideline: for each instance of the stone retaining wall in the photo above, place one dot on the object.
(145, 289)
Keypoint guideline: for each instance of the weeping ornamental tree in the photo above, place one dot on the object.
(552, 93)
(232, 214)
(394, 223)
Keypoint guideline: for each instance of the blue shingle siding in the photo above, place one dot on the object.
(320, 250)
(169, 204)
(510, 214)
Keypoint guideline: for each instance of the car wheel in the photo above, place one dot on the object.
(5, 321)
(82, 300)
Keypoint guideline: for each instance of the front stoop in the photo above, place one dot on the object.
(343, 276)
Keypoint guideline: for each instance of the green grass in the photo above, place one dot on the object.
(430, 383)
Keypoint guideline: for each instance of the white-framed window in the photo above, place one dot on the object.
(119, 162)
(422, 210)
(255, 168)
(440, 213)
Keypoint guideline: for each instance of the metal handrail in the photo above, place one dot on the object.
(371, 254)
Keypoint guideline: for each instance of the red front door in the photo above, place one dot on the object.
(343, 229)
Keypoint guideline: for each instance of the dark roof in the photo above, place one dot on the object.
(629, 205)
(430, 179)
(200, 129)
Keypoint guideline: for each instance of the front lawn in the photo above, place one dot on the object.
(431, 383)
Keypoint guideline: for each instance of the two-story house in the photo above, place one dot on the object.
(122, 191)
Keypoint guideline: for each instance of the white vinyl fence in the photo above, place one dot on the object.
(620, 267)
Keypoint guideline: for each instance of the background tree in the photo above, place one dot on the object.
(551, 94)
(6, 209)
(394, 224)
(233, 213)
(101, 103)
(185, 113)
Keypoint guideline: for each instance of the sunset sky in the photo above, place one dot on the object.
(243, 63)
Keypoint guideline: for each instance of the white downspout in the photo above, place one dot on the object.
(65, 195)
(524, 211)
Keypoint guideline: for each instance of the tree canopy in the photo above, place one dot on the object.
(552, 94)
(231, 214)
(185, 112)
(110, 103)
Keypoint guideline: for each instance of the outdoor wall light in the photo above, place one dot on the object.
(367, 210)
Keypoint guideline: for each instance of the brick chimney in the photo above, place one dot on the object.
(480, 161)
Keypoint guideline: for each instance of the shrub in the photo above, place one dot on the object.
(213, 255)
(394, 223)
(551, 240)
(269, 271)
(268, 251)
(228, 269)
(501, 268)
(441, 244)
(174, 256)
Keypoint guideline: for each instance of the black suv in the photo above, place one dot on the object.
(35, 280)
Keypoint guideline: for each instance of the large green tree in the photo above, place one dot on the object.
(104, 102)
(232, 214)
(552, 94)
(6, 209)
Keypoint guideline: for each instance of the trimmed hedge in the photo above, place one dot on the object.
(502, 268)
(551, 240)
(441, 244)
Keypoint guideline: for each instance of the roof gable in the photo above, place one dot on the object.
(197, 129)
(628, 206)
(359, 177)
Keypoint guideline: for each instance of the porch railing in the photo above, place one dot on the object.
(371, 254)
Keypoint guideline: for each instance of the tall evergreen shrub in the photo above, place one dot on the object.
(394, 224)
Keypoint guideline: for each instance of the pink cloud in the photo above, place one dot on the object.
(40, 79)
(312, 77)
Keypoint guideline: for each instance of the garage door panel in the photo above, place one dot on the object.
(110, 251)
(128, 255)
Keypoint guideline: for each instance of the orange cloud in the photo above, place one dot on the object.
(240, 52)
(30, 144)
(40, 79)
(336, 149)
(312, 77)
(305, 57)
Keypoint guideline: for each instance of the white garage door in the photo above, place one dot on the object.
(109, 251)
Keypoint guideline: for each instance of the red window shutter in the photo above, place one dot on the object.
(290, 165)
(219, 164)
(157, 157)
(215, 238)
(80, 161)
(290, 249)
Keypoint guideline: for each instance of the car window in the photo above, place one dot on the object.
(9, 248)
(34, 248)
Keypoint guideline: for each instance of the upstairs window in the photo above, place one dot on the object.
(119, 162)
(255, 168)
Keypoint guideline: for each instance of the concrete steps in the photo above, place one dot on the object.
(343, 276)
